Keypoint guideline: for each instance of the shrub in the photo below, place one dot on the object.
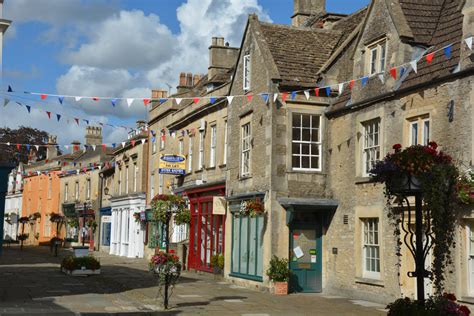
(71, 263)
(434, 306)
(278, 270)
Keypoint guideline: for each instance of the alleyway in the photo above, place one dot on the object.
(31, 284)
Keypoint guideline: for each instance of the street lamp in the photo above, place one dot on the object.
(84, 212)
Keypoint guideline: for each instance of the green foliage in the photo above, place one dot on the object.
(71, 263)
(217, 261)
(22, 135)
(278, 270)
(465, 188)
(73, 222)
(434, 306)
(92, 224)
(164, 206)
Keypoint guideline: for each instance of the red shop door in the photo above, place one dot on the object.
(206, 235)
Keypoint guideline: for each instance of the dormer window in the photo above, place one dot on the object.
(377, 56)
(246, 75)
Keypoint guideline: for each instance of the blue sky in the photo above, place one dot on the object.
(91, 47)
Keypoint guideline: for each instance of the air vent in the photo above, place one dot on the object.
(345, 219)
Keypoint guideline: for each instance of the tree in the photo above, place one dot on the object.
(22, 135)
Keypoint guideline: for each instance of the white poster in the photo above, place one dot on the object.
(298, 252)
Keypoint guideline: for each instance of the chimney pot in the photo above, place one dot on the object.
(189, 80)
(182, 79)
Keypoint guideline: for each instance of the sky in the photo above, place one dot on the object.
(114, 48)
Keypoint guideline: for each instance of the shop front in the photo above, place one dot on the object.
(207, 226)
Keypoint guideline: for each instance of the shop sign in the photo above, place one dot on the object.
(218, 205)
(172, 164)
(106, 219)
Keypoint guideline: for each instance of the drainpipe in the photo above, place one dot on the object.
(101, 186)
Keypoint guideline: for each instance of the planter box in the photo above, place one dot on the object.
(81, 272)
(280, 288)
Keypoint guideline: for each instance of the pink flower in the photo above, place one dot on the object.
(433, 145)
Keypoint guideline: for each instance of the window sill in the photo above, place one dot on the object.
(305, 171)
(364, 180)
(198, 171)
(467, 299)
(211, 168)
(245, 178)
(367, 281)
(223, 166)
(247, 277)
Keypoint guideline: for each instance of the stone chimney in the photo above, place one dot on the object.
(186, 82)
(52, 150)
(221, 57)
(159, 94)
(93, 136)
(306, 8)
(76, 146)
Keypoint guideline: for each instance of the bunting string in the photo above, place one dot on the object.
(395, 72)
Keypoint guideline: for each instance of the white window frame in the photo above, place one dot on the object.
(470, 257)
(371, 146)
(201, 151)
(152, 186)
(309, 142)
(76, 192)
(66, 192)
(246, 149)
(246, 72)
(190, 155)
(377, 57)
(421, 137)
(224, 160)
(153, 143)
(135, 177)
(162, 140)
(88, 189)
(127, 179)
(160, 183)
(120, 182)
(212, 158)
(371, 245)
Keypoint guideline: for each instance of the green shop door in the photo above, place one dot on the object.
(306, 258)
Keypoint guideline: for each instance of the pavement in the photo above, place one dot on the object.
(31, 283)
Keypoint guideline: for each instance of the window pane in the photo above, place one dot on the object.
(296, 120)
(306, 121)
(314, 163)
(414, 134)
(258, 262)
(315, 135)
(244, 246)
(252, 245)
(296, 134)
(235, 244)
(305, 149)
(426, 132)
(316, 120)
(296, 148)
(305, 162)
(306, 135)
(296, 162)
(315, 150)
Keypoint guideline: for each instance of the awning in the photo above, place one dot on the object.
(306, 205)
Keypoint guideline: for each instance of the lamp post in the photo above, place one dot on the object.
(84, 212)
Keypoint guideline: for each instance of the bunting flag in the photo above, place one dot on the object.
(133, 142)
(95, 98)
(264, 97)
(306, 93)
(86, 121)
(10, 89)
(230, 99)
(178, 101)
(351, 84)
(163, 100)
(382, 78)
(341, 88)
(469, 42)
(249, 97)
(77, 121)
(402, 71)
(328, 91)
(130, 101)
(429, 57)
(143, 141)
(316, 92)
(196, 100)
(61, 100)
(447, 51)
(393, 73)
(114, 102)
(414, 65)
(293, 95)
(28, 108)
(78, 99)
(146, 101)
(58, 116)
(275, 97)
(44, 96)
(49, 114)
(364, 81)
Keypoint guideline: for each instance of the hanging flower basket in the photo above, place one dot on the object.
(165, 205)
(56, 218)
(165, 265)
(252, 208)
(465, 187)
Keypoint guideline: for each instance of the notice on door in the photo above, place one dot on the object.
(313, 258)
(298, 252)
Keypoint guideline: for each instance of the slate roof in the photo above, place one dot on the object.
(449, 30)
(422, 17)
(299, 52)
(348, 24)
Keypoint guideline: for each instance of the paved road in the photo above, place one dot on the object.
(31, 284)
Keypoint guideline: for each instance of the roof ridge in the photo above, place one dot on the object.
(296, 28)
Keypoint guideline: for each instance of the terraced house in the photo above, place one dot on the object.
(306, 153)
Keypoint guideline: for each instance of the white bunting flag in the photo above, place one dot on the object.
(37, 147)
(143, 141)
(94, 147)
(382, 78)
(341, 88)
(414, 65)
(78, 99)
(130, 101)
(78, 171)
(230, 99)
(306, 93)
(100, 167)
(178, 100)
(275, 97)
(67, 147)
(123, 144)
(8, 144)
(38, 172)
(469, 42)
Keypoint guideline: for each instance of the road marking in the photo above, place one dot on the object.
(367, 304)
(189, 296)
(233, 301)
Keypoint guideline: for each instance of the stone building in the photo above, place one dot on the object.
(196, 129)
(129, 195)
(80, 191)
(306, 153)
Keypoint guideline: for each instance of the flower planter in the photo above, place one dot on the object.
(280, 288)
(82, 272)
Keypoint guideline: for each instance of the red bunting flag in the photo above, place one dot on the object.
(76, 147)
(49, 114)
(44, 96)
(18, 146)
(351, 84)
(77, 121)
(95, 99)
(429, 57)
(250, 97)
(196, 100)
(146, 101)
(316, 92)
(284, 96)
(133, 142)
(104, 147)
(393, 73)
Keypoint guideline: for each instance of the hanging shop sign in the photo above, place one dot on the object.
(219, 205)
(172, 164)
